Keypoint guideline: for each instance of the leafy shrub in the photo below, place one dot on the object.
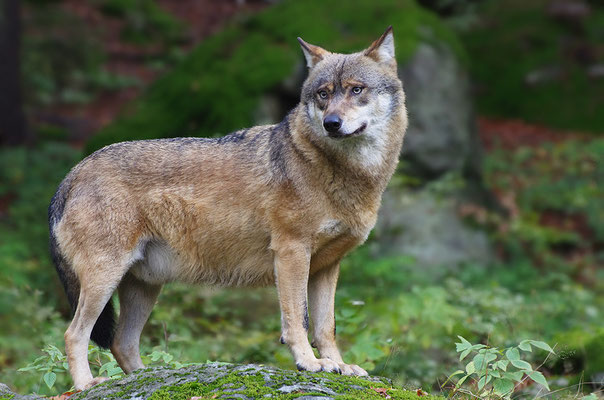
(494, 372)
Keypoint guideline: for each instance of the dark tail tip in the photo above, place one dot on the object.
(104, 328)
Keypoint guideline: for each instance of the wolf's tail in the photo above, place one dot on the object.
(104, 328)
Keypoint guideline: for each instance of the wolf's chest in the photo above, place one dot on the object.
(329, 230)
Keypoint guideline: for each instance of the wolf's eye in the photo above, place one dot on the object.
(323, 94)
(357, 89)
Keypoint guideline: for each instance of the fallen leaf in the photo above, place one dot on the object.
(382, 391)
(64, 396)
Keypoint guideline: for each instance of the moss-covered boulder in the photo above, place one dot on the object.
(230, 381)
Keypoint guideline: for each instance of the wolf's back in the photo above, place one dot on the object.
(104, 328)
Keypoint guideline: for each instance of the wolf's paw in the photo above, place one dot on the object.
(95, 381)
(318, 365)
(351, 369)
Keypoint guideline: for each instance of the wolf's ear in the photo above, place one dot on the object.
(312, 53)
(382, 50)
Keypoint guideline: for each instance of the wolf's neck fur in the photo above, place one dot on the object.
(361, 164)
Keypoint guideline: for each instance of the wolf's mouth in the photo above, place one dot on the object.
(342, 135)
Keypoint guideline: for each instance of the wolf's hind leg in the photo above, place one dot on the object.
(95, 292)
(321, 293)
(136, 302)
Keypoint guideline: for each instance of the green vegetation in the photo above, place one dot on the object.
(30, 295)
(54, 365)
(558, 197)
(144, 21)
(494, 372)
(63, 60)
(393, 318)
(406, 329)
(533, 66)
(195, 99)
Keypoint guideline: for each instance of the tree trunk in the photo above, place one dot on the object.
(13, 129)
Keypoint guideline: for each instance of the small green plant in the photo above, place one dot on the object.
(105, 362)
(160, 356)
(50, 364)
(55, 362)
(102, 362)
(495, 373)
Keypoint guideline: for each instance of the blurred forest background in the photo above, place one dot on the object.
(492, 228)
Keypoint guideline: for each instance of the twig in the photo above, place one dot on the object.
(163, 324)
(540, 365)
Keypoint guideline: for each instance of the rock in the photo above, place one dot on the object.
(441, 142)
(441, 135)
(221, 381)
(425, 225)
(570, 10)
(6, 393)
(543, 75)
(596, 71)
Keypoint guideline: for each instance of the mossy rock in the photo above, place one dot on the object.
(594, 351)
(218, 86)
(231, 381)
(531, 65)
(585, 351)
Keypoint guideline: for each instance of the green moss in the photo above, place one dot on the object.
(217, 87)
(343, 384)
(594, 351)
(250, 384)
(517, 38)
(255, 386)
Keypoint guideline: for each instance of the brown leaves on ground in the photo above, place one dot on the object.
(509, 134)
(64, 396)
(382, 392)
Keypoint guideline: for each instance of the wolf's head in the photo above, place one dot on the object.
(353, 98)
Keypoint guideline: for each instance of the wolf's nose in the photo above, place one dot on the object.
(332, 123)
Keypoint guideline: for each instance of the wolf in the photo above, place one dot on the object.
(278, 204)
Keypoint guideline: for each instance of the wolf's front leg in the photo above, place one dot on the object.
(322, 289)
(291, 270)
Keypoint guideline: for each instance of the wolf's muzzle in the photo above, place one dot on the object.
(342, 135)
